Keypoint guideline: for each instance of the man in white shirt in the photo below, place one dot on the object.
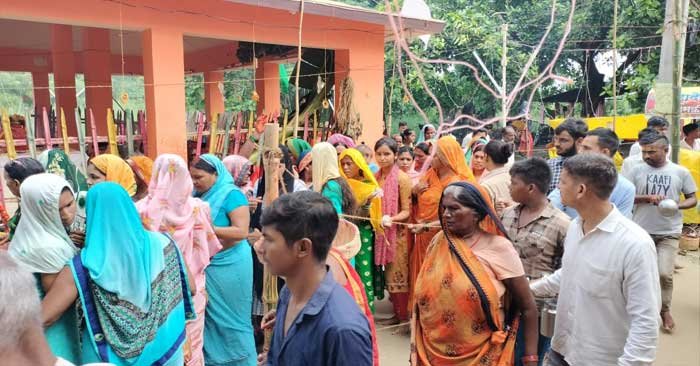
(655, 180)
(609, 295)
(22, 340)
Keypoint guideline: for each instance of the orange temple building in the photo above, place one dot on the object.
(164, 40)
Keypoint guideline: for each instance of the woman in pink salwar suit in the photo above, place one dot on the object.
(170, 208)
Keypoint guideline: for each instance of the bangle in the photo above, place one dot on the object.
(530, 358)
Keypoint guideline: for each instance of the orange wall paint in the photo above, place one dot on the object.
(363, 42)
(165, 104)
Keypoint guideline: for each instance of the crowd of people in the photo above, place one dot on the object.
(141, 262)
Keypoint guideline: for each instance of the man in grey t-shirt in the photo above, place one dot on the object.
(656, 180)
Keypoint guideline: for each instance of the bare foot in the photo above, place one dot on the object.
(668, 324)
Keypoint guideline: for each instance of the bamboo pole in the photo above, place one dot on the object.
(306, 127)
(81, 138)
(48, 143)
(283, 135)
(7, 131)
(64, 132)
(142, 130)
(213, 133)
(271, 159)
(130, 132)
(678, 30)
(31, 136)
(228, 118)
(93, 134)
(315, 129)
(112, 133)
(200, 131)
(237, 136)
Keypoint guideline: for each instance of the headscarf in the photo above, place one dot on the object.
(363, 189)
(238, 166)
(120, 255)
(450, 154)
(479, 145)
(421, 135)
(142, 167)
(216, 195)
(472, 146)
(56, 161)
(304, 161)
(116, 170)
(297, 147)
(325, 165)
(490, 223)
(341, 139)
(41, 243)
(384, 243)
(170, 208)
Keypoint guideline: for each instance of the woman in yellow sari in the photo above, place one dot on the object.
(447, 166)
(367, 196)
(111, 168)
(471, 292)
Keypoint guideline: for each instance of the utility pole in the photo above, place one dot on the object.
(504, 65)
(668, 82)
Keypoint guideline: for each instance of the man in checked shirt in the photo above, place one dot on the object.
(537, 230)
(567, 137)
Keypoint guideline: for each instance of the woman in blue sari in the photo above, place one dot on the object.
(228, 332)
(131, 285)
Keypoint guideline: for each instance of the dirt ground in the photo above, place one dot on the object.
(682, 348)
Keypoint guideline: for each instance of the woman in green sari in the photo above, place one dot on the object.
(367, 195)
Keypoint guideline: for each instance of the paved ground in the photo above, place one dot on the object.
(679, 349)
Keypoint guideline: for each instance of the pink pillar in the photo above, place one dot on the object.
(164, 76)
(267, 84)
(98, 75)
(64, 73)
(213, 98)
(42, 97)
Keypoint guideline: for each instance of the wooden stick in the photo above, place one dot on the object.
(200, 131)
(112, 133)
(271, 159)
(306, 127)
(93, 133)
(31, 135)
(48, 144)
(142, 130)
(284, 129)
(130, 132)
(237, 136)
(64, 132)
(251, 120)
(315, 129)
(7, 130)
(81, 138)
(228, 118)
(213, 133)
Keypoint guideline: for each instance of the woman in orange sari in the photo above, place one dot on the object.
(447, 166)
(471, 292)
